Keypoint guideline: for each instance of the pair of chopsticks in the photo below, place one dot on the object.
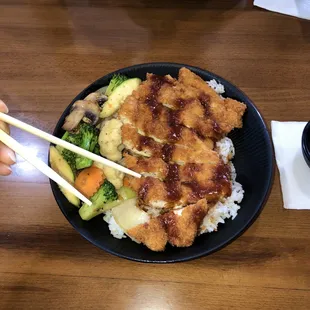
(41, 166)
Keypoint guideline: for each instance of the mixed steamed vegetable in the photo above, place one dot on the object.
(89, 127)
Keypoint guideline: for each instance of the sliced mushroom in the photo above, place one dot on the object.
(92, 97)
(98, 97)
(80, 109)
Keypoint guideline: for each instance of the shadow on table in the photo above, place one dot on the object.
(164, 4)
(305, 29)
(51, 243)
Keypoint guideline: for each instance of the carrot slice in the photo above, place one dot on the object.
(89, 180)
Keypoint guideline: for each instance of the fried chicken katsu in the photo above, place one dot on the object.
(170, 127)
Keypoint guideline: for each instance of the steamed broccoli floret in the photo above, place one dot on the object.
(73, 138)
(87, 138)
(94, 141)
(116, 80)
(97, 149)
(70, 159)
(69, 156)
(106, 194)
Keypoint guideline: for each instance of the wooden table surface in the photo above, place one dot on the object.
(49, 51)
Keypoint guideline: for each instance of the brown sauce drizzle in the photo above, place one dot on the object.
(168, 221)
(199, 192)
(174, 125)
(221, 180)
(181, 103)
(151, 99)
(172, 183)
(222, 173)
(144, 141)
(167, 151)
(205, 102)
(143, 190)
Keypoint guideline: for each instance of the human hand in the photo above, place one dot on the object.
(7, 156)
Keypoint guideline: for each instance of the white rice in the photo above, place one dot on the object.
(219, 213)
(226, 149)
(218, 87)
(115, 230)
(233, 171)
(228, 208)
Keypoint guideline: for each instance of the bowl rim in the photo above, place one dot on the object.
(306, 141)
(221, 245)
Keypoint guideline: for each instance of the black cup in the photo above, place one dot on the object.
(305, 142)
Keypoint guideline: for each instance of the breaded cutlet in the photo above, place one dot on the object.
(227, 113)
(180, 185)
(183, 226)
(145, 146)
(161, 123)
(169, 130)
(178, 227)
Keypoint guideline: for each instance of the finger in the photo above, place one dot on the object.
(7, 156)
(5, 127)
(3, 107)
(5, 170)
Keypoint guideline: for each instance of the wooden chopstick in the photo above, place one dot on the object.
(40, 165)
(71, 147)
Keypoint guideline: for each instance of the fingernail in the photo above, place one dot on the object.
(6, 109)
(12, 156)
(5, 170)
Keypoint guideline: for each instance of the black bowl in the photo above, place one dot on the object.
(305, 142)
(253, 162)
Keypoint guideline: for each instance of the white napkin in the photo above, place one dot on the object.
(294, 172)
(297, 8)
